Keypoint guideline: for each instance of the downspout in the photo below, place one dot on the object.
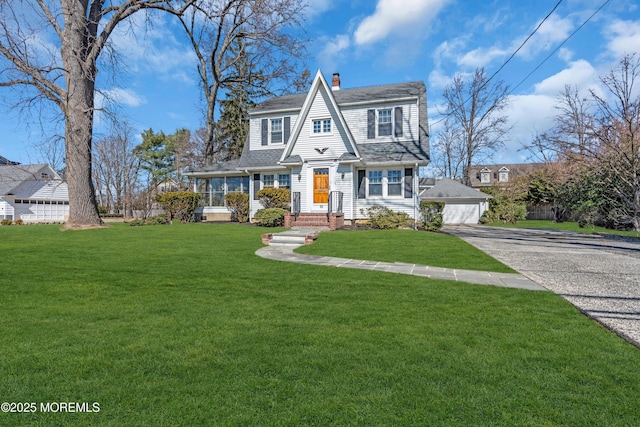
(250, 189)
(416, 198)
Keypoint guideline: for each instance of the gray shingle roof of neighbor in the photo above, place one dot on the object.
(12, 176)
(5, 162)
(450, 189)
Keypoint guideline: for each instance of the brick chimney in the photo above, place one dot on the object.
(335, 82)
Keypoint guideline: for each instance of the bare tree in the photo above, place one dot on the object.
(449, 148)
(259, 35)
(474, 107)
(116, 169)
(64, 72)
(599, 136)
(616, 128)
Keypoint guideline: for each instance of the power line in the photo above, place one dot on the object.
(523, 43)
(559, 46)
(510, 57)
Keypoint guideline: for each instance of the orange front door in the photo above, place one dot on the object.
(321, 185)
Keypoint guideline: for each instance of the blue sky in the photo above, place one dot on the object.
(372, 42)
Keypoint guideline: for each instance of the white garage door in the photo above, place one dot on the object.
(461, 213)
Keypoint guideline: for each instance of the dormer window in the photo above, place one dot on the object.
(384, 122)
(485, 176)
(503, 175)
(44, 175)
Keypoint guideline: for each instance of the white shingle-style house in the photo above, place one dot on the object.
(339, 151)
(33, 193)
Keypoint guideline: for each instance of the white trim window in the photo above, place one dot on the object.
(284, 180)
(503, 175)
(276, 131)
(375, 183)
(485, 176)
(385, 183)
(268, 181)
(394, 183)
(385, 123)
(321, 126)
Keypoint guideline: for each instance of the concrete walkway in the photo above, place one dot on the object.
(284, 252)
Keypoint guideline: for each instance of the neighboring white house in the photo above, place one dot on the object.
(462, 204)
(339, 151)
(33, 193)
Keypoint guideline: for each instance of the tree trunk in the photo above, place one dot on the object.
(78, 111)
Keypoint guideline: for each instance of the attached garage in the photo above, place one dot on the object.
(462, 204)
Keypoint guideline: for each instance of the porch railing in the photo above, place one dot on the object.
(295, 206)
(335, 203)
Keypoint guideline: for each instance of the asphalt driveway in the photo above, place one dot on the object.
(599, 275)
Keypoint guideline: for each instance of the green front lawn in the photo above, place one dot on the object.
(184, 325)
(409, 246)
(567, 226)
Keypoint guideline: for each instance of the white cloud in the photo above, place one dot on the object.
(149, 45)
(120, 96)
(333, 51)
(480, 57)
(580, 73)
(624, 37)
(553, 31)
(393, 16)
(318, 7)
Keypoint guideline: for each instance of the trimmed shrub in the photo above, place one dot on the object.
(18, 221)
(6, 221)
(272, 217)
(275, 198)
(152, 220)
(383, 218)
(111, 215)
(431, 214)
(238, 204)
(179, 204)
(158, 220)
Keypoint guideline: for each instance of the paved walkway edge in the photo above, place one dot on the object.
(284, 252)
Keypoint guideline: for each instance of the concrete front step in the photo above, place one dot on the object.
(290, 238)
(284, 239)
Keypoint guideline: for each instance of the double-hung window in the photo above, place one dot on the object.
(384, 122)
(375, 183)
(394, 183)
(276, 131)
(284, 180)
(268, 181)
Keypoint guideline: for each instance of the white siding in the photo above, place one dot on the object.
(335, 143)
(255, 130)
(345, 185)
(42, 190)
(356, 118)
